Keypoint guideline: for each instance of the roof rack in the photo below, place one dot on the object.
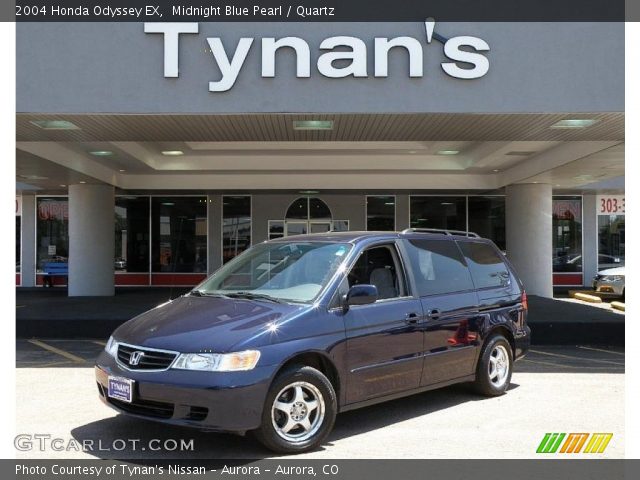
(441, 231)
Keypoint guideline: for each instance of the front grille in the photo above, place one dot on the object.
(140, 358)
(145, 408)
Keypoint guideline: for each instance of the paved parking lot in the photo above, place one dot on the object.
(554, 389)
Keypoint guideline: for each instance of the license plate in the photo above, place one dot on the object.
(121, 389)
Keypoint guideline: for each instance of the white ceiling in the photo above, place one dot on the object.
(568, 159)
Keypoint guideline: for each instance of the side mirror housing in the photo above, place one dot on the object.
(360, 295)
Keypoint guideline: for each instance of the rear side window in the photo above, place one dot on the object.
(486, 266)
(438, 267)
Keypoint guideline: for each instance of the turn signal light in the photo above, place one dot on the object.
(525, 301)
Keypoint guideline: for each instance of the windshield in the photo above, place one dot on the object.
(293, 271)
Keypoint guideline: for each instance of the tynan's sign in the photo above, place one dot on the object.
(349, 52)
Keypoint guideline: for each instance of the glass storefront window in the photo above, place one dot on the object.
(276, 229)
(381, 213)
(132, 234)
(610, 241)
(52, 231)
(487, 219)
(340, 226)
(179, 234)
(236, 226)
(567, 234)
(438, 212)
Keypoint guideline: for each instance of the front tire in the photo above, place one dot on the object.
(299, 411)
(495, 366)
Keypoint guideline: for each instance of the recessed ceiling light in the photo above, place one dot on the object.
(122, 170)
(313, 124)
(172, 153)
(308, 192)
(574, 123)
(102, 153)
(54, 124)
(33, 177)
(63, 186)
(82, 181)
(496, 170)
(447, 152)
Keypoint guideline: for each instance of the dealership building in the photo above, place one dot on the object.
(150, 154)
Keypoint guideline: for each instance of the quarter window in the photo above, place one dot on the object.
(438, 267)
(486, 266)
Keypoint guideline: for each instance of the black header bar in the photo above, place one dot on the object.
(314, 10)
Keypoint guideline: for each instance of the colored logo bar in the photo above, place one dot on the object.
(574, 443)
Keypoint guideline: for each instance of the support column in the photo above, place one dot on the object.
(214, 236)
(529, 235)
(91, 240)
(590, 239)
(28, 241)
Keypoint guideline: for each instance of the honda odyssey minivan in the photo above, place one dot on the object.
(296, 330)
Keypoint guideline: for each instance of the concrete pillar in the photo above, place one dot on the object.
(28, 241)
(402, 212)
(589, 238)
(529, 235)
(214, 237)
(91, 240)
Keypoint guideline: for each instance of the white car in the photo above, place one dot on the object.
(610, 280)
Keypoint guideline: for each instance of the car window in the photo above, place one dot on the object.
(378, 266)
(486, 266)
(438, 267)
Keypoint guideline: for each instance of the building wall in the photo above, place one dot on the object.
(533, 67)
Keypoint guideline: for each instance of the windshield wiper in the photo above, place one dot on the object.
(203, 293)
(255, 296)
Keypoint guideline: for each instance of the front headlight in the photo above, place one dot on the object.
(218, 362)
(613, 278)
(111, 347)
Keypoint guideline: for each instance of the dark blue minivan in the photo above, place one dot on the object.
(295, 330)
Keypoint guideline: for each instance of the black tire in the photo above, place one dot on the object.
(312, 384)
(495, 346)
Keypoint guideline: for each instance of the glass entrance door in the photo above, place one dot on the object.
(296, 228)
(319, 227)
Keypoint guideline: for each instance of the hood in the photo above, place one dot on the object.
(612, 271)
(193, 324)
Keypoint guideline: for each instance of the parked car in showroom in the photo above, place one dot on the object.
(610, 280)
(296, 330)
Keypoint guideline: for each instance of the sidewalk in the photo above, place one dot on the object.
(49, 313)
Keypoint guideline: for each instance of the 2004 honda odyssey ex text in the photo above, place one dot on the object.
(295, 330)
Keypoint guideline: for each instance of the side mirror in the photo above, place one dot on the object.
(360, 295)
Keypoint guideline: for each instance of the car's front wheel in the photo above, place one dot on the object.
(299, 411)
(493, 374)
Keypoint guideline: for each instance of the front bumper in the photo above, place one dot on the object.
(219, 401)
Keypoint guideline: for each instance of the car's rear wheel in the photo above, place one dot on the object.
(299, 411)
(495, 366)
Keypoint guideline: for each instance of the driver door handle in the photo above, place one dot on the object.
(412, 318)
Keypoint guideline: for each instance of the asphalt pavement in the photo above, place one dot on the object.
(554, 389)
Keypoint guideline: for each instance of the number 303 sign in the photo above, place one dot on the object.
(610, 204)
